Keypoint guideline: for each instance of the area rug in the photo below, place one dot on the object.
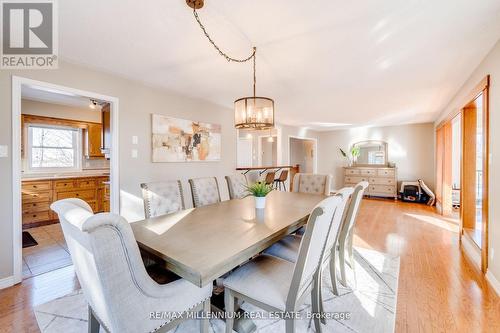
(367, 305)
(28, 240)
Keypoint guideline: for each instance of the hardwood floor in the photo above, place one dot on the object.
(439, 290)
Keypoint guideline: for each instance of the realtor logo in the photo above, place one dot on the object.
(29, 35)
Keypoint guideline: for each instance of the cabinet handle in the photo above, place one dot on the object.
(34, 186)
(34, 205)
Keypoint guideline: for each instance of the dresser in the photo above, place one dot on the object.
(382, 180)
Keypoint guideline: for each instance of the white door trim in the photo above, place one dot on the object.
(315, 160)
(259, 149)
(17, 83)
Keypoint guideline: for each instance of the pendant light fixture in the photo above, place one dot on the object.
(253, 112)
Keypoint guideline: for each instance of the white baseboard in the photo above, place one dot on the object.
(493, 281)
(6, 282)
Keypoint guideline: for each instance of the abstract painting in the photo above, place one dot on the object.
(181, 140)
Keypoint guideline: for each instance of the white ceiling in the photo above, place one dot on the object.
(39, 94)
(324, 61)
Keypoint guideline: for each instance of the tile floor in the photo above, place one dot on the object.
(51, 252)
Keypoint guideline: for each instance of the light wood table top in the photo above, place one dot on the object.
(202, 244)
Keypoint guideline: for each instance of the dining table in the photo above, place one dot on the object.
(205, 243)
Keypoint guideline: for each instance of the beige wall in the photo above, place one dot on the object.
(490, 65)
(411, 147)
(37, 108)
(136, 102)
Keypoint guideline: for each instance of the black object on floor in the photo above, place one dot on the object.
(28, 240)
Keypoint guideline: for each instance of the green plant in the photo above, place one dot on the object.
(259, 189)
(355, 152)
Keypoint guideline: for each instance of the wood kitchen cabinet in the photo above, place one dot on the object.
(93, 137)
(37, 196)
(106, 128)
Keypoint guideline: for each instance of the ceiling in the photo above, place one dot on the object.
(42, 94)
(324, 62)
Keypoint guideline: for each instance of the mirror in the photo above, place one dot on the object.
(371, 153)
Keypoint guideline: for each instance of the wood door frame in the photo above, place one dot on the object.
(481, 88)
(17, 83)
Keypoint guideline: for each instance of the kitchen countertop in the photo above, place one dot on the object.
(69, 175)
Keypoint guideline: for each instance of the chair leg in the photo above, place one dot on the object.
(342, 264)
(290, 325)
(204, 323)
(93, 324)
(351, 259)
(229, 301)
(315, 302)
(333, 274)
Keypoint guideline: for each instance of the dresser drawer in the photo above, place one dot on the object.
(36, 217)
(368, 172)
(386, 173)
(355, 180)
(36, 196)
(86, 183)
(36, 186)
(382, 189)
(66, 184)
(87, 195)
(382, 181)
(351, 172)
(34, 207)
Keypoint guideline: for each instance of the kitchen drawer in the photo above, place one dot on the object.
(65, 184)
(36, 217)
(36, 186)
(35, 207)
(349, 172)
(382, 181)
(386, 173)
(368, 172)
(86, 183)
(36, 196)
(383, 189)
(86, 195)
(355, 180)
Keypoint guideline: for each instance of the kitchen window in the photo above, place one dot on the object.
(52, 148)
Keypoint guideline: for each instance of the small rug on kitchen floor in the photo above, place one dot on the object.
(371, 305)
(28, 240)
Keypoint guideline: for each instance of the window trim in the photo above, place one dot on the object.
(78, 138)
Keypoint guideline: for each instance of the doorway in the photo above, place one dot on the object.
(462, 159)
(65, 145)
(303, 153)
(268, 151)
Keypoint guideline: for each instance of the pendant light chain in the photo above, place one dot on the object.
(225, 55)
(228, 58)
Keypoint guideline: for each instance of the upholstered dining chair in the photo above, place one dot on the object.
(275, 284)
(205, 191)
(162, 198)
(312, 183)
(236, 185)
(288, 247)
(120, 294)
(346, 234)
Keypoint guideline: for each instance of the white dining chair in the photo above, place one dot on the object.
(237, 186)
(288, 247)
(161, 198)
(346, 234)
(275, 284)
(205, 191)
(312, 183)
(120, 294)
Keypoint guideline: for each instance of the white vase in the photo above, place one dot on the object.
(260, 202)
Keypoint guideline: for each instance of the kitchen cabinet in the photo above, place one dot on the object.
(106, 129)
(93, 138)
(37, 195)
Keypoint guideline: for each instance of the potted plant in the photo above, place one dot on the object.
(259, 190)
(353, 155)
